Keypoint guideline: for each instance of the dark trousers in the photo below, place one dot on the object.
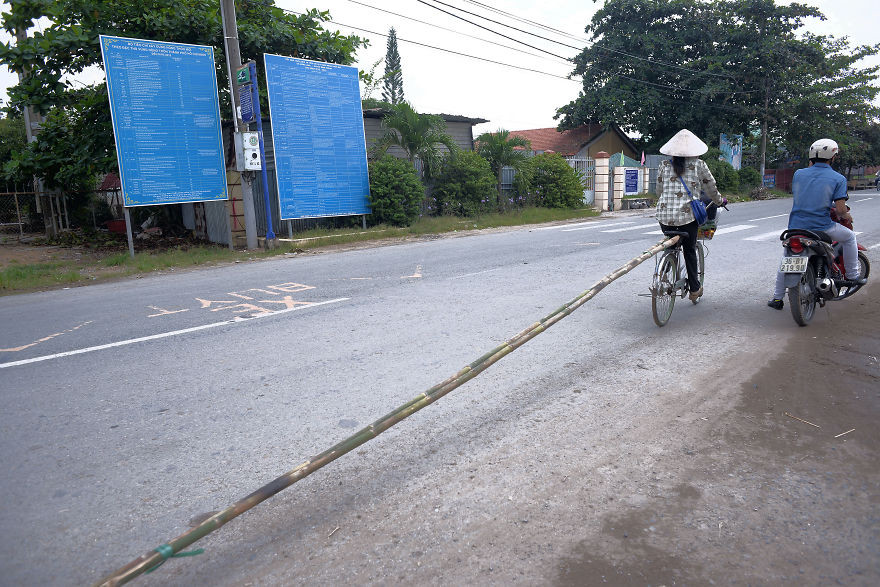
(689, 248)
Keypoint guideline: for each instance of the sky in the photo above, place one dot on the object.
(524, 86)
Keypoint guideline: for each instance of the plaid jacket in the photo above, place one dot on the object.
(673, 206)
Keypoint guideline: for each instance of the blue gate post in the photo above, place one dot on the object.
(270, 234)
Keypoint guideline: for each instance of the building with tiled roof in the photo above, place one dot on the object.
(581, 142)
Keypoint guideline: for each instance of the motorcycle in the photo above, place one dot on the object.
(814, 270)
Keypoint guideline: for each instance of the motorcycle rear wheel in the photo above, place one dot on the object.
(802, 297)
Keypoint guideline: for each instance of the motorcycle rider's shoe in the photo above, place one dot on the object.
(860, 281)
(776, 304)
(695, 295)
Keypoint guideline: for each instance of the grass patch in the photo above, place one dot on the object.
(18, 277)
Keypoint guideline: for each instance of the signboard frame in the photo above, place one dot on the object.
(299, 179)
(630, 182)
(137, 191)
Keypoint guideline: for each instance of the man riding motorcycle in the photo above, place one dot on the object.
(815, 190)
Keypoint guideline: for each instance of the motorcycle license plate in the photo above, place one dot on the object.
(794, 264)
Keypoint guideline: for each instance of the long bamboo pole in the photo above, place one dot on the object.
(158, 555)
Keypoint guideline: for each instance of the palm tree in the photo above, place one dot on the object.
(419, 135)
(499, 149)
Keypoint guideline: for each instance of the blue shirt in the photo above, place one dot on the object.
(815, 189)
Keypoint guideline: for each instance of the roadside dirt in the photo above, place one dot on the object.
(784, 488)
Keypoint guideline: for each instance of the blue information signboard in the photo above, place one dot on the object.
(166, 120)
(631, 182)
(318, 132)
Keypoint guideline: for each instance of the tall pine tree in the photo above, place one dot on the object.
(393, 87)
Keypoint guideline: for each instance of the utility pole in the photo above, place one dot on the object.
(32, 121)
(764, 129)
(233, 62)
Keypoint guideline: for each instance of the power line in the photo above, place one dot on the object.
(492, 31)
(452, 31)
(442, 49)
(496, 22)
(585, 41)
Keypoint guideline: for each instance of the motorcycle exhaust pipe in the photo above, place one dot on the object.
(826, 286)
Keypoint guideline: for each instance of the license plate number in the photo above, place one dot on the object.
(794, 264)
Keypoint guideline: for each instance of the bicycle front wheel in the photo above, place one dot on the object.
(663, 289)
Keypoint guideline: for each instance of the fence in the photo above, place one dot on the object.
(19, 213)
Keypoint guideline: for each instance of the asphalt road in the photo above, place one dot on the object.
(134, 408)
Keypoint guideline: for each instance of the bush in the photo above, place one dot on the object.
(554, 184)
(749, 177)
(396, 193)
(465, 185)
(725, 175)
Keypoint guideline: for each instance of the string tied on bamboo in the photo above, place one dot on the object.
(166, 552)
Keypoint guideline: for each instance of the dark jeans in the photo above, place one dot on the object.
(689, 248)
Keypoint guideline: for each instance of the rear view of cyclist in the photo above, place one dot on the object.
(815, 190)
(679, 180)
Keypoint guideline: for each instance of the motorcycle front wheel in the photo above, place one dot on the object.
(802, 298)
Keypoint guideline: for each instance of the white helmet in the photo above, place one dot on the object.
(823, 149)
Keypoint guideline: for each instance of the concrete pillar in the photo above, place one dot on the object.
(601, 181)
(619, 179)
(646, 178)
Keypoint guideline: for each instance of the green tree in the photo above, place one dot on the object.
(70, 44)
(418, 135)
(396, 194)
(501, 150)
(393, 79)
(464, 185)
(12, 137)
(738, 66)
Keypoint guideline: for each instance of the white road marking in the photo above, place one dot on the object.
(639, 227)
(768, 217)
(654, 232)
(477, 273)
(558, 226)
(862, 200)
(597, 225)
(874, 246)
(111, 345)
(736, 228)
(766, 236)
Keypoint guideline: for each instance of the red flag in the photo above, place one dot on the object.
(643, 157)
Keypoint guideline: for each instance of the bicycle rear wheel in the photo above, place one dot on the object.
(663, 288)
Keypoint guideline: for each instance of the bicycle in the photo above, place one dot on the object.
(670, 277)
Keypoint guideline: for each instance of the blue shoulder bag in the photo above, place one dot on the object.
(697, 207)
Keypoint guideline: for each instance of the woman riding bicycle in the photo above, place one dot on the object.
(680, 180)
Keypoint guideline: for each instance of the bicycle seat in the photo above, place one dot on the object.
(680, 233)
(816, 234)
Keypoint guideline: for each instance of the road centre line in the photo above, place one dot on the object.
(766, 236)
(477, 273)
(558, 226)
(597, 225)
(639, 227)
(120, 343)
(767, 217)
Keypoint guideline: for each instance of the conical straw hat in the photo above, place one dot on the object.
(684, 144)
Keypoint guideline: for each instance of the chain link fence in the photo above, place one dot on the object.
(19, 211)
